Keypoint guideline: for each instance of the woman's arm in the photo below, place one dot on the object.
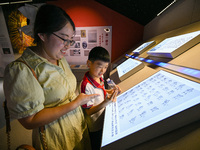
(47, 115)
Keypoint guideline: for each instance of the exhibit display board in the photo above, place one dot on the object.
(128, 67)
(87, 38)
(174, 46)
(158, 97)
(6, 51)
(143, 47)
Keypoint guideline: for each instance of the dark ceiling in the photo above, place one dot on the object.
(23, 1)
(141, 11)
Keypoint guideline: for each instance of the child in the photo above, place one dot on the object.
(93, 82)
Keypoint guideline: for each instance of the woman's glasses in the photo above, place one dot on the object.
(65, 41)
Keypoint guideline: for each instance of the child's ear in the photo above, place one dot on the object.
(88, 63)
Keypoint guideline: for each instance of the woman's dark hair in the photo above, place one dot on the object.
(99, 53)
(49, 19)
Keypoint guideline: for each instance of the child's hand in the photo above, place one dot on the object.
(110, 91)
(119, 90)
(112, 97)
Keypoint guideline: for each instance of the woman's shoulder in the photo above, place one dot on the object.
(16, 64)
(15, 69)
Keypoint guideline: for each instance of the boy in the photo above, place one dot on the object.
(98, 61)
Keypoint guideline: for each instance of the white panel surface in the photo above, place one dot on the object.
(158, 97)
(129, 67)
(172, 47)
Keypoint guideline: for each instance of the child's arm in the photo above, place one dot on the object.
(108, 100)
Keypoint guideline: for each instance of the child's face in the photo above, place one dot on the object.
(97, 68)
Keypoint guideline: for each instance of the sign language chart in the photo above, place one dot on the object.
(156, 98)
(153, 96)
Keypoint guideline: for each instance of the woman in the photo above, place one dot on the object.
(48, 101)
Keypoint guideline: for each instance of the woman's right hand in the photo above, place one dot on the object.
(83, 98)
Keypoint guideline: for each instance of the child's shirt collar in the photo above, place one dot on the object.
(95, 83)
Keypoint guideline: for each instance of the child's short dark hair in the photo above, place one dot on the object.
(99, 53)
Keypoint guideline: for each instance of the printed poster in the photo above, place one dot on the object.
(6, 51)
(85, 39)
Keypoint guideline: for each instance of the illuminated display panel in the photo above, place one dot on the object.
(172, 47)
(158, 97)
(143, 47)
(129, 67)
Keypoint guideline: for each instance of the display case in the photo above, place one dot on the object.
(174, 46)
(149, 109)
(128, 67)
(142, 48)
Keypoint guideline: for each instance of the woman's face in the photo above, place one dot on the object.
(54, 47)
